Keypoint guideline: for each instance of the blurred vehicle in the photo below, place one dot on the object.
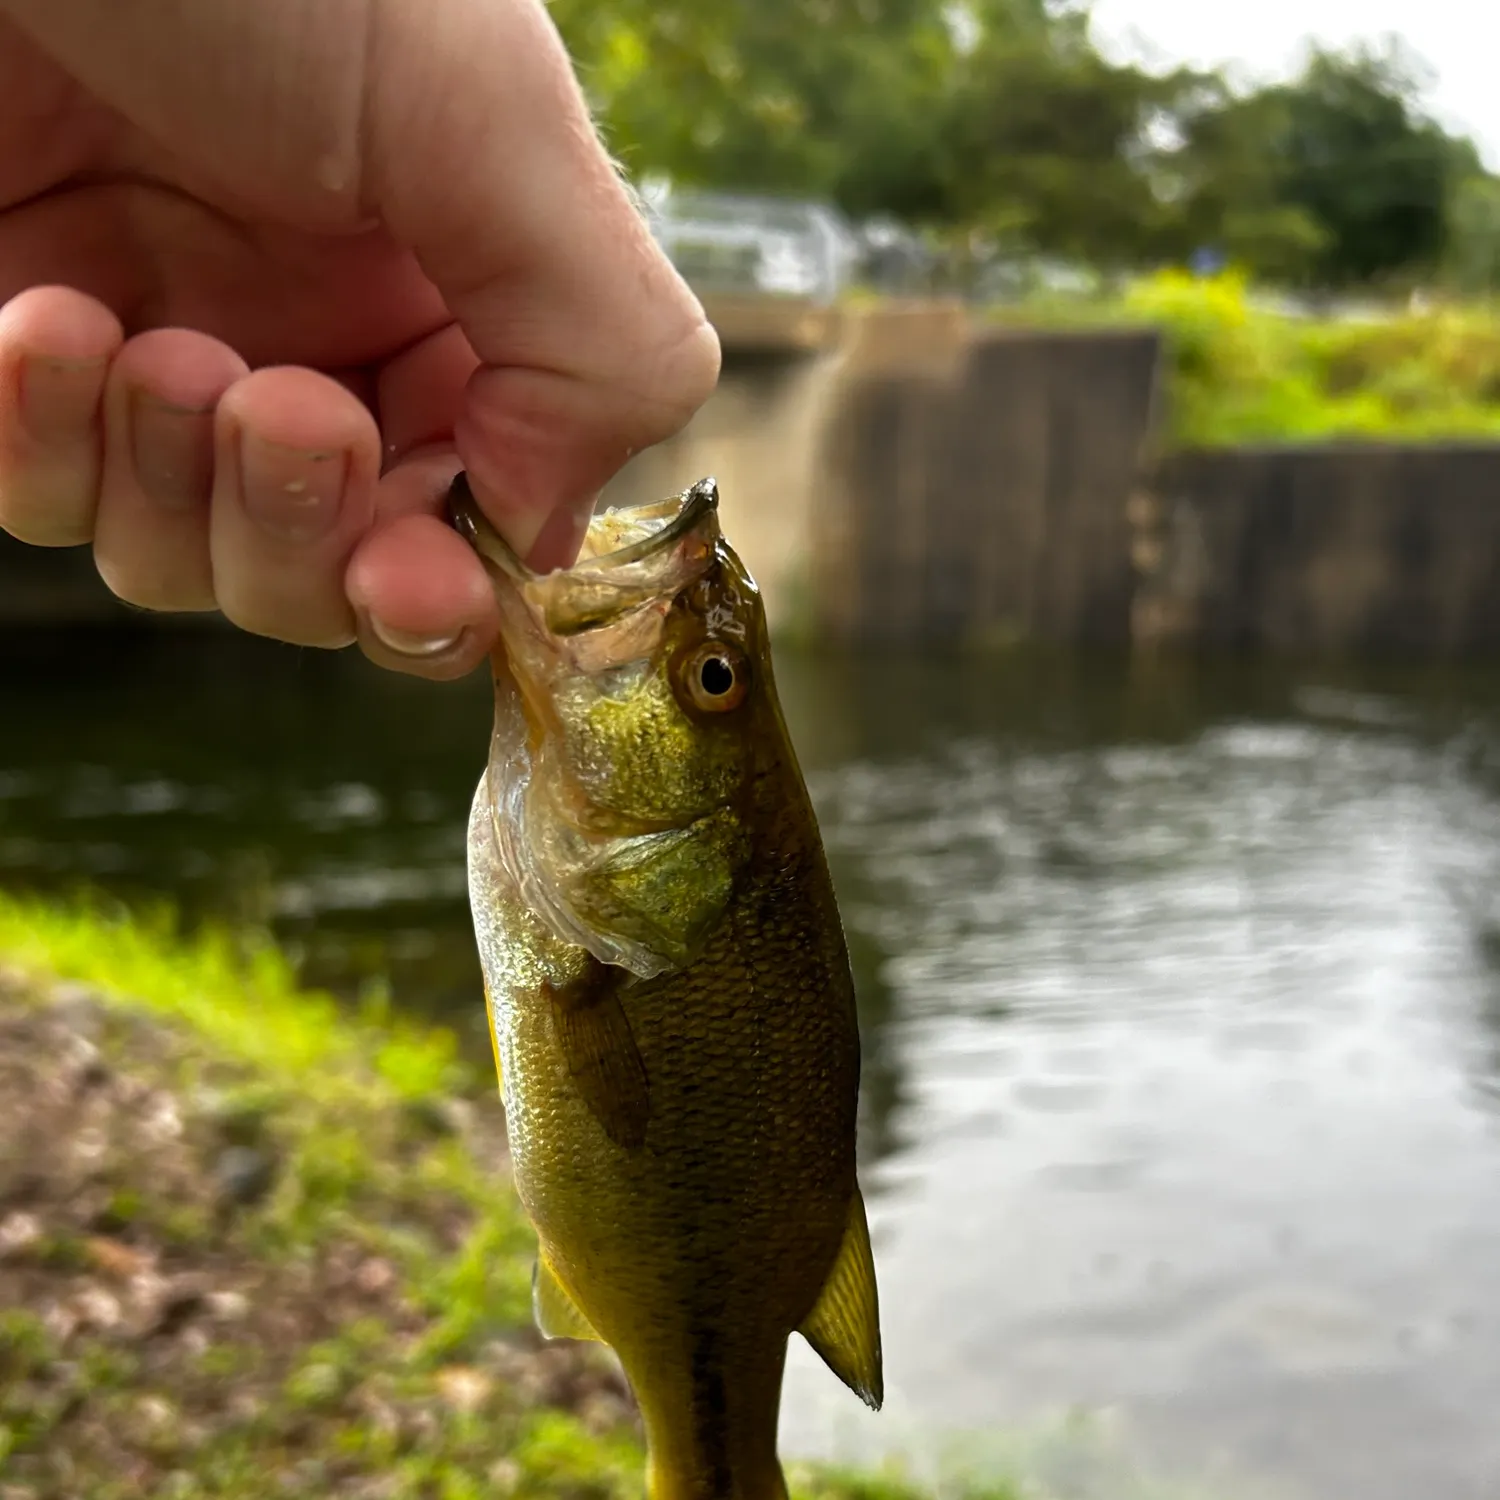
(893, 259)
(739, 243)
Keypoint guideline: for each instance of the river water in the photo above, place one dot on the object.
(1180, 994)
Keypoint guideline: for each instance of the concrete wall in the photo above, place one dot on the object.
(1342, 550)
(987, 502)
(924, 482)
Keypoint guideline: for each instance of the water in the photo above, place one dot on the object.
(1181, 997)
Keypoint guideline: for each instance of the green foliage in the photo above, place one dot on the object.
(1044, 141)
(999, 122)
(1238, 370)
(825, 97)
(1356, 157)
(1242, 374)
(1474, 236)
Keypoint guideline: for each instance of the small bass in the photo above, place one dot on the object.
(668, 988)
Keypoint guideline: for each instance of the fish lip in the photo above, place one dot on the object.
(476, 528)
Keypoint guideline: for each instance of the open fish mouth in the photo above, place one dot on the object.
(571, 808)
(633, 558)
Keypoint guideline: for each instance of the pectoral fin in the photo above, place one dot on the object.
(844, 1326)
(599, 1047)
(556, 1313)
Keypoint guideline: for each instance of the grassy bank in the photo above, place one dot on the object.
(1240, 371)
(251, 1245)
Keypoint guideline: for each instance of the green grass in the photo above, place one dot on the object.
(336, 1094)
(236, 990)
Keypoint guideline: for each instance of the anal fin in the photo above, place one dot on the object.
(844, 1325)
(556, 1313)
(599, 1047)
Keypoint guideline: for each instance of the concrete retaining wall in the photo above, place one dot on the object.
(1345, 550)
(987, 503)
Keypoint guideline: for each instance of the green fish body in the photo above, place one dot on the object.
(669, 991)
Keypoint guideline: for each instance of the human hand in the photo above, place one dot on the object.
(277, 269)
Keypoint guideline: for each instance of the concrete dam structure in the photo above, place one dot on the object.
(907, 475)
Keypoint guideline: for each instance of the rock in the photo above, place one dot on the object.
(464, 1388)
(375, 1276)
(228, 1307)
(18, 1233)
(195, 1342)
(155, 1425)
(243, 1175)
(600, 1412)
(80, 1007)
(61, 1322)
(97, 1308)
(504, 1476)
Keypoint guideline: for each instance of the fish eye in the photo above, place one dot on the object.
(715, 677)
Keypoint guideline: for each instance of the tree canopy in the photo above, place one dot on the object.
(1002, 119)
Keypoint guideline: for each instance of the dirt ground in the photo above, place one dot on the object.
(162, 1334)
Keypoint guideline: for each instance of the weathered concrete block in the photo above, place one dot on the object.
(1337, 550)
(988, 502)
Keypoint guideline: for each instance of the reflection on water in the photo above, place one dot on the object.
(1181, 996)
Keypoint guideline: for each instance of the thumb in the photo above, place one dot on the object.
(481, 156)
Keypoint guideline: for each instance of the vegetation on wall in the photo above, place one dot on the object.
(1243, 370)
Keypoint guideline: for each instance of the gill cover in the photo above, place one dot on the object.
(609, 806)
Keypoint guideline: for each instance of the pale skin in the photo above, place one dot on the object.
(271, 271)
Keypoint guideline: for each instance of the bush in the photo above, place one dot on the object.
(1242, 371)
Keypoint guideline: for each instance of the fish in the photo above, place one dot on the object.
(668, 990)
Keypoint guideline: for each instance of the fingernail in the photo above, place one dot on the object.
(404, 643)
(172, 451)
(292, 493)
(59, 398)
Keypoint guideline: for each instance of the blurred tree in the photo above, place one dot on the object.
(999, 123)
(1352, 151)
(1474, 236)
(1225, 185)
(833, 98)
(983, 115)
(1049, 144)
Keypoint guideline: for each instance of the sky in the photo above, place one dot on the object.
(1459, 40)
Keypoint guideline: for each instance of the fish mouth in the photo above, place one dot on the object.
(633, 558)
